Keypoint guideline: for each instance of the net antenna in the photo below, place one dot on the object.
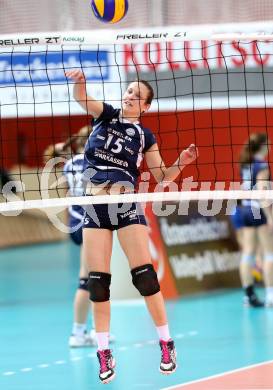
(212, 89)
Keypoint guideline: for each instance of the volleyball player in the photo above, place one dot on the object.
(72, 171)
(113, 155)
(256, 220)
(4, 179)
(237, 222)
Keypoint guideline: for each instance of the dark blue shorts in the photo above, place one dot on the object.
(76, 236)
(243, 217)
(75, 224)
(113, 216)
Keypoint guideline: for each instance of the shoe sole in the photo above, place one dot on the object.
(247, 304)
(108, 380)
(253, 307)
(167, 372)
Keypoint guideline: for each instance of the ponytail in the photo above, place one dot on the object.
(255, 143)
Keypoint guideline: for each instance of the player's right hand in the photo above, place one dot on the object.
(77, 75)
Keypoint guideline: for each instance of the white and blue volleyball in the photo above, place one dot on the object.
(109, 11)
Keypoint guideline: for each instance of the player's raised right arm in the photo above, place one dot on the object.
(89, 104)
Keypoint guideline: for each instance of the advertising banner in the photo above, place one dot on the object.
(204, 74)
(201, 250)
(186, 75)
(33, 81)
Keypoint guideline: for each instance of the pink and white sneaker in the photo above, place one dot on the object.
(107, 365)
(168, 357)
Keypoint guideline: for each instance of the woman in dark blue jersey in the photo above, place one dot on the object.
(255, 219)
(113, 155)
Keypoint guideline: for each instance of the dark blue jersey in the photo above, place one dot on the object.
(115, 148)
(249, 173)
(73, 172)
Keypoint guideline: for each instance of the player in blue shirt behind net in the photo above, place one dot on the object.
(113, 155)
(72, 171)
(255, 219)
(72, 152)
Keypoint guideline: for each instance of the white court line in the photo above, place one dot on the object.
(93, 354)
(43, 365)
(138, 345)
(122, 348)
(217, 375)
(192, 333)
(76, 358)
(152, 342)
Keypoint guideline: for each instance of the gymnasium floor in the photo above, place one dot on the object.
(214, 334)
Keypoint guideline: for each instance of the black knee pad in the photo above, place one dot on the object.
(83, 284)
(99, 286)
(145, 280)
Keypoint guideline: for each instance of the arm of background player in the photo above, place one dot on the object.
(263, 183)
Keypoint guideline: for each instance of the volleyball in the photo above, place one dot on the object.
(109, 11)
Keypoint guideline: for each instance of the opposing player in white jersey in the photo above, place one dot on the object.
(113, 155)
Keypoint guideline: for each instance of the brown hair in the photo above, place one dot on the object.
(254, 144)
(150, 96)
(59, 149)
(74, 143)
(79, 139)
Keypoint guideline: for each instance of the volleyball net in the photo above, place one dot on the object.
(211, 89)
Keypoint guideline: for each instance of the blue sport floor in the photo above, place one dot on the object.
(214, 333)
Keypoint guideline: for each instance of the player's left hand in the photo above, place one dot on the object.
(188, 155)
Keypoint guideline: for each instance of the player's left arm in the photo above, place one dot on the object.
(264, 183)
(158, 168)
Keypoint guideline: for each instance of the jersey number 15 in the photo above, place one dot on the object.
(116, 146)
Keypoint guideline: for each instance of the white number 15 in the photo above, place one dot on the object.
(117, 146)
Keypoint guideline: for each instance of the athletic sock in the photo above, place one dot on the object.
(102, 340)
(269, 293)
(163, 332)
(78, 329)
